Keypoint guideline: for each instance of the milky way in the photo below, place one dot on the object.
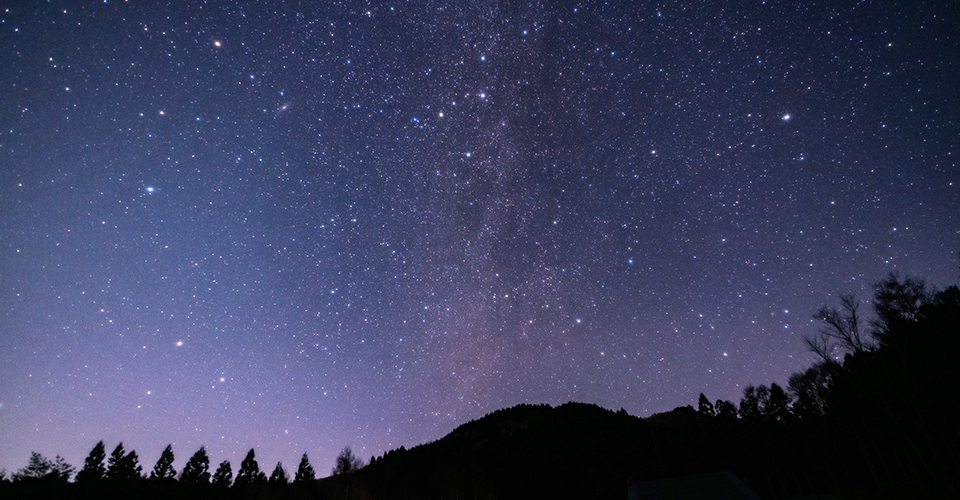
(300, 227)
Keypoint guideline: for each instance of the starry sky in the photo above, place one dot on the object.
(299, 226)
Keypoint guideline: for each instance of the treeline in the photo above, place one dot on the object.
(878, 410)
(121, 476)
(876, 416)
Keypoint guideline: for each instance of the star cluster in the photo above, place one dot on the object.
(298, 227)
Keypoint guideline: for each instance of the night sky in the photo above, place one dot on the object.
(299, 227)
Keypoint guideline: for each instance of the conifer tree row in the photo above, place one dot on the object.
(124, 466)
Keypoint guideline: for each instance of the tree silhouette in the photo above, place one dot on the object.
(305, 471)
(197, 469)
(763, 399)
(279, 476)
(725, 410)
(704, 407)
(749, 404)
(39, 467)
(840, 330)
(898, 303)
(777, 406)
(810, 389)
(347, 462)
(896, 398)
(164, 468)
(123, 466)
(61, 469)
(115, 462)
(249, 472)
(224, 474)
(93, 466)
(131, 464)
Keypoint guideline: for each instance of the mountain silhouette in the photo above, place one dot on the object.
(575, 450)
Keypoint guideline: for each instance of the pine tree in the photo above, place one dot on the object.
(279, 476)
(224, 475)
(39, 467)
(197, 468)
(164, 467)
(123, 466)
(61, 469)
(249, 472)
(93, 467)
(305, 471)
(113, 463)
(131, 466)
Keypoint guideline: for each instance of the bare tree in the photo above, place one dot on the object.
(347, 462)
(840, 330)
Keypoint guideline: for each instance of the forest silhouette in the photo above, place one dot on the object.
(875, 416)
